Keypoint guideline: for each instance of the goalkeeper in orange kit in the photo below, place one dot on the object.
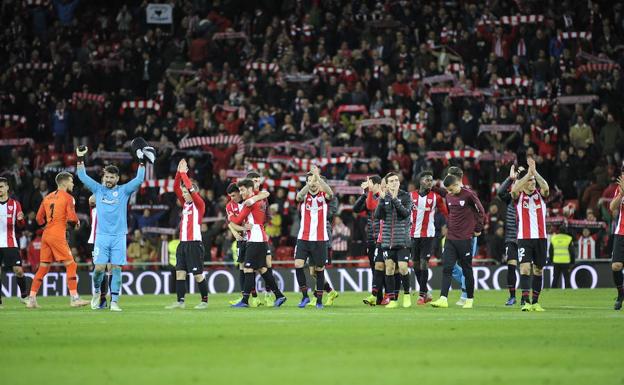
(55, 212)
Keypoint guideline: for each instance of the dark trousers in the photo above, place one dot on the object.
(460, 252)
(560, 269)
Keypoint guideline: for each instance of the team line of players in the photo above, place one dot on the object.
(400, 227)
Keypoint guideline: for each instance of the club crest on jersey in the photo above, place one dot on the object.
(320, 199)
(311, 208)
(115, 193)
(462, 203)
(526, 205)
(10, 208)
(429, 201)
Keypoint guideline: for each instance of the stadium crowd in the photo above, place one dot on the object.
(358, 87)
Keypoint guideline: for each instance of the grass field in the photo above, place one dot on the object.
(578, 340)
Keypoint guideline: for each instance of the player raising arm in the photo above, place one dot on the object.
(190, 251)
(312, 239)
(111, 201)
(531, 219)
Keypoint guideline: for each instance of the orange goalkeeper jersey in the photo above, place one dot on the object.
(56, 210)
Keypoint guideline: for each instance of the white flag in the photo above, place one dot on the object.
(159, 13)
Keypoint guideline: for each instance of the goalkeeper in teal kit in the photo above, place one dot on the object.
(112, 227)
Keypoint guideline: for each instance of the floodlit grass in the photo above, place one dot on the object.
(578, 340)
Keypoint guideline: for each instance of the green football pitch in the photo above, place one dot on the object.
(578, 340)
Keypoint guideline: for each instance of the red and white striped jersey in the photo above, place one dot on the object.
(255, 216)
(587, 248)
(93, 225)
(192, 212)
(190, 226)
(531, 216)
(423, 213)
(313, 211)
(619, 227)
(233, 209)
(8, 219)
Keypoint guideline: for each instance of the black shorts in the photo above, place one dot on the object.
(190, 257)
(532, 250)
(9, 257)
(255, 255)
(397, 255)
(313, 251)
(422, 248)
(511, 251)
(618, 249)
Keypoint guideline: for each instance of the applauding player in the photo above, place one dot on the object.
(511, 234)
(313, 237)
(394, 210)
(368, 202)
(531, 218)
(190, 251)
(425, 203)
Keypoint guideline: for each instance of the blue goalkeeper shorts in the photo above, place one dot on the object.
(109, 249)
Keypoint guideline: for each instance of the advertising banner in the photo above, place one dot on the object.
(140, 282)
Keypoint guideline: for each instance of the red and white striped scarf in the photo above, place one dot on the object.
(37, 3)
(97, 98)
(140, 104)
(13, 118)
(38, 66)
(260, 66)
(453, 154)
(595, 67)
(213, 141)
(306, 164)
(447, 35)
(542, 132)
(587, 35)
(242, 113)
(455, 68)
(166, 185)
(324, 69)
(513, 20)
(306, 30)
(392, 113)
(531, 102)
(419, 128)
(516, 81)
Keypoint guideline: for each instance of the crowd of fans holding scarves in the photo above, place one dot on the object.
(358, 88)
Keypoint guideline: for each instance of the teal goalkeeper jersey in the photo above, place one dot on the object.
(111, 203)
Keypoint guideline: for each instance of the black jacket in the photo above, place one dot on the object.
(397, 221)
